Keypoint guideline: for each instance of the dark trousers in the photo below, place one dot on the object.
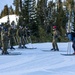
(73, 46)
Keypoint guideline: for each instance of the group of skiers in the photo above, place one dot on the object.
(11, 35)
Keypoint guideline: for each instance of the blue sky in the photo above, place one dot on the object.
(5, 2)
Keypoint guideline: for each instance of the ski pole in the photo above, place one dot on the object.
(69, 48)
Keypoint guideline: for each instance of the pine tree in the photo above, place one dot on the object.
(11, 11)
(28, 11)
(29, 16)
(51, 16)
(16, 3)
(74, 15)
(70, 7)
(61, 18)
(6, 10)
(40, 13)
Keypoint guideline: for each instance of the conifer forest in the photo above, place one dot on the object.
(41, 15)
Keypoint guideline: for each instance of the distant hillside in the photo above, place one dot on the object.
(11, 18)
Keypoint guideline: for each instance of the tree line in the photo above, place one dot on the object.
(40, 16)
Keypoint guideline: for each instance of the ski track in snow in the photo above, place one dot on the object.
(38, 61)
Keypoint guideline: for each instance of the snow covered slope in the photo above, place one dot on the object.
(40, 61)
(11, 18)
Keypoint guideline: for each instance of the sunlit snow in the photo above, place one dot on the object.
(38, 60)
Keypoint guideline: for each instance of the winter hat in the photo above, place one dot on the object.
(54, 27)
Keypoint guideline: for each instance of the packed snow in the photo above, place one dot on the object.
(38, 60)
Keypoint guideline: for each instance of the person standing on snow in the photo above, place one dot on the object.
(73, 40)
(71, 37)
(71, 34)
(0, 38)
(55, 38)
(4, 42)
(11, 37)
(21, 37)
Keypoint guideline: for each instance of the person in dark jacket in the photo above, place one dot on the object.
(71, 37)
(11, 37)
(21, 37)
(0, 38)
(4, 42)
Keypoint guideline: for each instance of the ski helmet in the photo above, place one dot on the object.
(54, 27)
